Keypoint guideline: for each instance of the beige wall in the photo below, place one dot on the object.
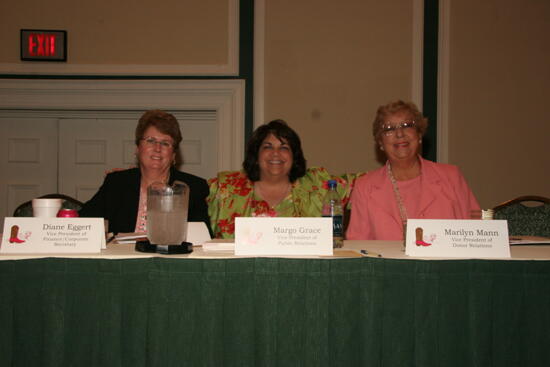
(328, 65)
(167, 32)
(499, 127)
(327, 70)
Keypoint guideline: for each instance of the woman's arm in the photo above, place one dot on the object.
(97, 205)
(198, 207)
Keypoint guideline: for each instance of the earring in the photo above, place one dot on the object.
(381, 148)
(419, 141)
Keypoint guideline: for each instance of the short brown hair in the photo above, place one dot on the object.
(394, 107)
(165, 122)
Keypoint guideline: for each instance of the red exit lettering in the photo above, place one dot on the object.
(41, 44)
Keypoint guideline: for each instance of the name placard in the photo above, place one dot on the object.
(52, 235)
(457, 238)
(283, 236)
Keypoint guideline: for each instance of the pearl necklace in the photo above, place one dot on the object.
(402, 209)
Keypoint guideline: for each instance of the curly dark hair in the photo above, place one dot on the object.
(281, 131)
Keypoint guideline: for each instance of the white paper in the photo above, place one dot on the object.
(129, 238)
(219, 245)
(53, 235)
(197, 233)
(457, 238)
(283, 236)
(529, 240)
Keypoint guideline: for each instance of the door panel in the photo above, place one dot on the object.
(88, 148)
(29, 162)
(199, 147)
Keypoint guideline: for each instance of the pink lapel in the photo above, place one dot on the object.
(381, 194)
(383, 199)
(431, 185)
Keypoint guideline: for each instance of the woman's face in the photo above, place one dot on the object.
(155, 150)
(274, 158)
(400, 139)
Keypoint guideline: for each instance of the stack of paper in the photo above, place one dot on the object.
(529, 240)
(123, 238)
(219, 245)
(197, 233)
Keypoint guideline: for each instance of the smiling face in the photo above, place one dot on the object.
(274, 158)
(403, 143)
(152, 154)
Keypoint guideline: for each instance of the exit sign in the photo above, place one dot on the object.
(43, 45)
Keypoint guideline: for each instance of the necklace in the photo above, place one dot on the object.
(165, 180)
(272, 199)
(402, 209)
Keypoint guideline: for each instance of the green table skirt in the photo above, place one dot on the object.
(274, 312)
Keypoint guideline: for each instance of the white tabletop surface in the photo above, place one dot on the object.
(386, 250)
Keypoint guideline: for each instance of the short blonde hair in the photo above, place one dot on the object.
(394, 107)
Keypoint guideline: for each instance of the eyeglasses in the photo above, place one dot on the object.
(152, 142)
(406, 126)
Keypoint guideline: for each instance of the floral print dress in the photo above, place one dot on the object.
(232, 195)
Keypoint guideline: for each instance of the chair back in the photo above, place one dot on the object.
(526, 220)
(25, 209)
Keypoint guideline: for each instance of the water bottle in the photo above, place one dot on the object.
(332, 207)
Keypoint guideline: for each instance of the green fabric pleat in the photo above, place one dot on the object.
(274, 312)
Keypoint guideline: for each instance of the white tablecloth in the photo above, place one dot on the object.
(387, 250)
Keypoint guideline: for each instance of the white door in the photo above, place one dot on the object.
(88, 148)
(28, 164)
(91, 146)
(200, 146)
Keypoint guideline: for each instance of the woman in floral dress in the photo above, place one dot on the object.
(274, 182)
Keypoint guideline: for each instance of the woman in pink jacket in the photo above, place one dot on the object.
(407, 186)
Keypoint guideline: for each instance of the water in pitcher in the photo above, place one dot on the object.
(167, 213)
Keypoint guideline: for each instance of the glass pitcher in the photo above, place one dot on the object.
(167, 207)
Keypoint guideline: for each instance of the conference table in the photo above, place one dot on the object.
(124, 308)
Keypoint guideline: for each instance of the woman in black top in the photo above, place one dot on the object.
(122, 199)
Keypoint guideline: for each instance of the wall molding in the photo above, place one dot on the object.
(443, 82)
(259, 63)
(226, 97)
(259, 57)
(417, 52)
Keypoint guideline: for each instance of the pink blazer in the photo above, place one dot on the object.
(374, 209)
